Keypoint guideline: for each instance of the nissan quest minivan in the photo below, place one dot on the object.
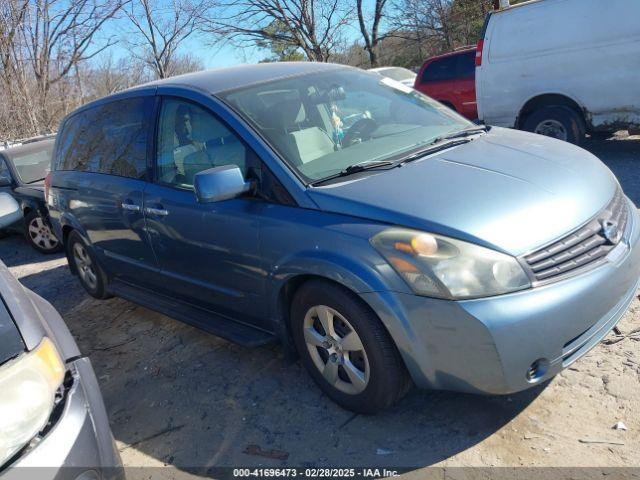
(374, 232)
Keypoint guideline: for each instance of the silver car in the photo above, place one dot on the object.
(51, 409)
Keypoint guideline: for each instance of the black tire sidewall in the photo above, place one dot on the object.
(100, 291)
(27, 220)
(570, 119)
(387, 379)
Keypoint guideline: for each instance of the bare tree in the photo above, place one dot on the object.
(17, 109)
(109, 75)
(437, 26)
(422, 20)
(161, 28)
(371, 38)
(313, 26)
(60, 34)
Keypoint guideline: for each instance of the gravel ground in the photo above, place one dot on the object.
(177, 396)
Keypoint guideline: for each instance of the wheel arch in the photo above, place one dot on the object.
(28, 205)
(341, 271)
(545, 100)
(67, 228)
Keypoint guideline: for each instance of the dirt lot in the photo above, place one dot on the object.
(181, 397)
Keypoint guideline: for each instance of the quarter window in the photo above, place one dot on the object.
(110, 138)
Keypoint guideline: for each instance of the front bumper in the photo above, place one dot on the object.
(487, 345)
(80, 444)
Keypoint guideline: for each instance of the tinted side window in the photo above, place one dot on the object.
(110, 138)
(440, 70)
(192, 139)
(467, 65)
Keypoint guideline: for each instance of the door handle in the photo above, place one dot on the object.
(130, 207)
(161, 212)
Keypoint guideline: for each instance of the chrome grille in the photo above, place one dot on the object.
(582, 247)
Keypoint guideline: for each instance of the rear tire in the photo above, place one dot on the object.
(39, 235)
(356, 363)
(91, 275)
(557, 121)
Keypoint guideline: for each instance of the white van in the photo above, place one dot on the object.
(561, 68)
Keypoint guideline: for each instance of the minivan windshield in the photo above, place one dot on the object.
(323, 123)
(32, 167)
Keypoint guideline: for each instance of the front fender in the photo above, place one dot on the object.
(355, 274)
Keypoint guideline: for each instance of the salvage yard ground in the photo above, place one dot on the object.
(178, 396)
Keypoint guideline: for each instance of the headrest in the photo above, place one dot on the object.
(290, 113)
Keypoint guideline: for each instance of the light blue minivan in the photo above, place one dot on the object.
(378, 235)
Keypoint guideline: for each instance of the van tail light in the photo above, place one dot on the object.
(479, 52)
(47, 187)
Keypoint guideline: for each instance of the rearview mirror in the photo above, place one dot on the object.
(9, 210)
(219, 183)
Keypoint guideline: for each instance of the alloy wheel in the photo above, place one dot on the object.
(41, 235)
(85, 266)
(336, 349)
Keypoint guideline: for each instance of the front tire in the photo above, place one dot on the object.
(557, 121)
(91, 275)
(346, 349)
(39, 234)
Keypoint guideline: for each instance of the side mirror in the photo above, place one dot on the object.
(9, 210)
(219, 183)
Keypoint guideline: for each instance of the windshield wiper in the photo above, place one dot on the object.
(445, 141)
(467, 132)
(355, 168)
(437, 145)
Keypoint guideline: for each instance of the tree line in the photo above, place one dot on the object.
(58, 54)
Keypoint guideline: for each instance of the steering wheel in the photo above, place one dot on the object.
(359, 131)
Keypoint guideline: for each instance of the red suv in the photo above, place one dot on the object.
(451, 79)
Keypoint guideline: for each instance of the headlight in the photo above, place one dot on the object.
(443, 267)
(28, 385)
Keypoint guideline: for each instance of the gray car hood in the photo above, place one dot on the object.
(508, 190)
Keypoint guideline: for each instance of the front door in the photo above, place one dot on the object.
(208, 253)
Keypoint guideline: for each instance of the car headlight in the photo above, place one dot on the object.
(28, 385)
(443, 267)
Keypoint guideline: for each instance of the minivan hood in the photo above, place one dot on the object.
(508, 190)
